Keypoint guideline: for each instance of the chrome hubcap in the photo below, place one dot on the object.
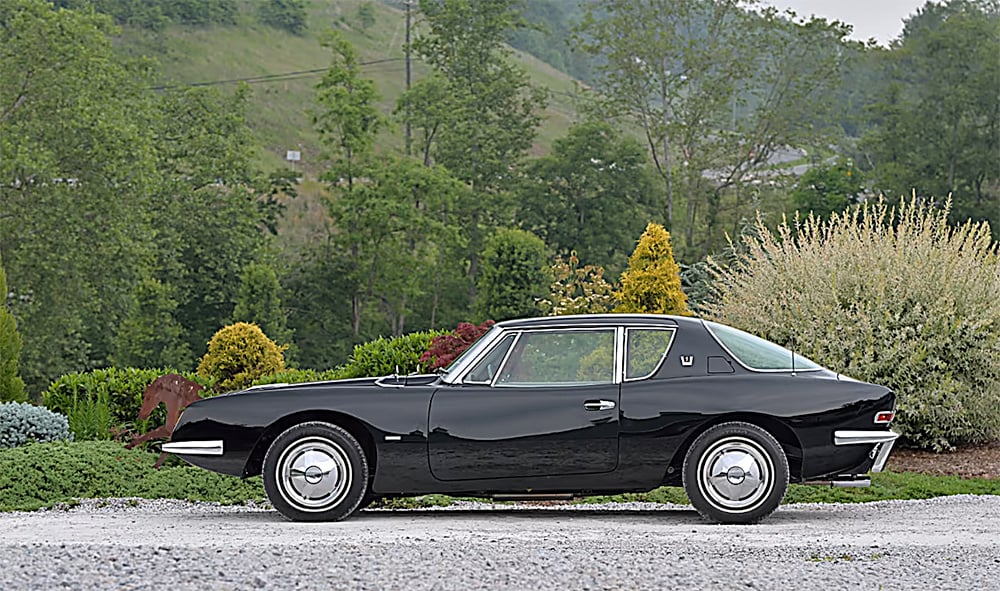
(314, 474)
(735, 474)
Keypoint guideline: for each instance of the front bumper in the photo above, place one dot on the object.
(882, 440)
(194, 448)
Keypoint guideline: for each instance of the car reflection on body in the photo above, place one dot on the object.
(557, 407)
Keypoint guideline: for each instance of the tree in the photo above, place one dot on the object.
(652, 283)
(289, 15)
(211, 211)
(366, 15)
(828, 188)
(590, 195)
(938, 124)
(716, 86)
(494, 109)
(74, 219)
(11, 385)
(258, 301)
(151, 335)
(515, 275)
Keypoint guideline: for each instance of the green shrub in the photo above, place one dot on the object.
(892, 296)
(22, 423)
(104, 399)
(514, 275)
(577, 290)
(652, 283)
(384, 356)
(238, 354)
(39, 475)
(289, 15)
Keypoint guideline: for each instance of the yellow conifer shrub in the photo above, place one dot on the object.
(238, 354)
(652, 283)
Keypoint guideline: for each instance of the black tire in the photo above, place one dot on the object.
(315, 472)
(735, 473)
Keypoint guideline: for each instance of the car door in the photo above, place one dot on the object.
(539, 403)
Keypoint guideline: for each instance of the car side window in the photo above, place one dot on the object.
(484, 371)
(644, 351)
(553, 358)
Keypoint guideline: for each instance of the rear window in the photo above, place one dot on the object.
(757, 353)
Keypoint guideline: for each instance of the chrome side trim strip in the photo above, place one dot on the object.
(863, 437)
(194, 448)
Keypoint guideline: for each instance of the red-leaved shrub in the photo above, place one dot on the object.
(446, 348)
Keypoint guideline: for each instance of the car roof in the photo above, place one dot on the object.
(599, 320)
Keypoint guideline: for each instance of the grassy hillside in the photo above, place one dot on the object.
(280, 111)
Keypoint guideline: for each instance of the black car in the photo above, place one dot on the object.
(552, 408)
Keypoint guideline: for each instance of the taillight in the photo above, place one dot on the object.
(884, 417)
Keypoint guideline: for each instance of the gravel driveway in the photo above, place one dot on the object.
(946, 543)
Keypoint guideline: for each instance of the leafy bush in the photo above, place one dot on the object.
(11, 385)
(238, 354)
(22, 423)
(402, 355)
(514, 275)
(447, 347)
(40, 475)
(577, 290)
(892, 296)
(96, 402)
(652, 283)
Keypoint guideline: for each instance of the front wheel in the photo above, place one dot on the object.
(315, 471)
(735, 473)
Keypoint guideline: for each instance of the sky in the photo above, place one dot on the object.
(881, 19)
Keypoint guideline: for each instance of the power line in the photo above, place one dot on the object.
(278, 77)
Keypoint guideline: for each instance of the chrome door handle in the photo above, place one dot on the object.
(598, 405)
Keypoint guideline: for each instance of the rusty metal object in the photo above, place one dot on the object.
(173, 391)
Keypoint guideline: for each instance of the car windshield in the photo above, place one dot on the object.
(757, 353)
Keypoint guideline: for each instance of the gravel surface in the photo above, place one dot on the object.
(945, 543)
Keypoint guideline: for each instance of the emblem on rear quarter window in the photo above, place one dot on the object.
(687, 360)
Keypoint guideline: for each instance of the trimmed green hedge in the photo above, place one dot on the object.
(42, 474)
(98, 401)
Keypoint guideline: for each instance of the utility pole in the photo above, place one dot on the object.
(409, 140)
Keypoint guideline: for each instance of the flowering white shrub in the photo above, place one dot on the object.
(889, 295)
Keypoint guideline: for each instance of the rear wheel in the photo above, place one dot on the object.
(315, 471)
(735, 473)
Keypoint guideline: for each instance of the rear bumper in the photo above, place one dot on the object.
(882, 440)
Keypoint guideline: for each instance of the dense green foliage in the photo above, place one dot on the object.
(825, 188)
(514, 275)
(289, 15)
(652, 283)
(238, 355)
(22, 423)
(40, 475)
(11, 385)
(99, 402)
(892, 296)
(157, 14)
(937, 115)
(591, 195)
